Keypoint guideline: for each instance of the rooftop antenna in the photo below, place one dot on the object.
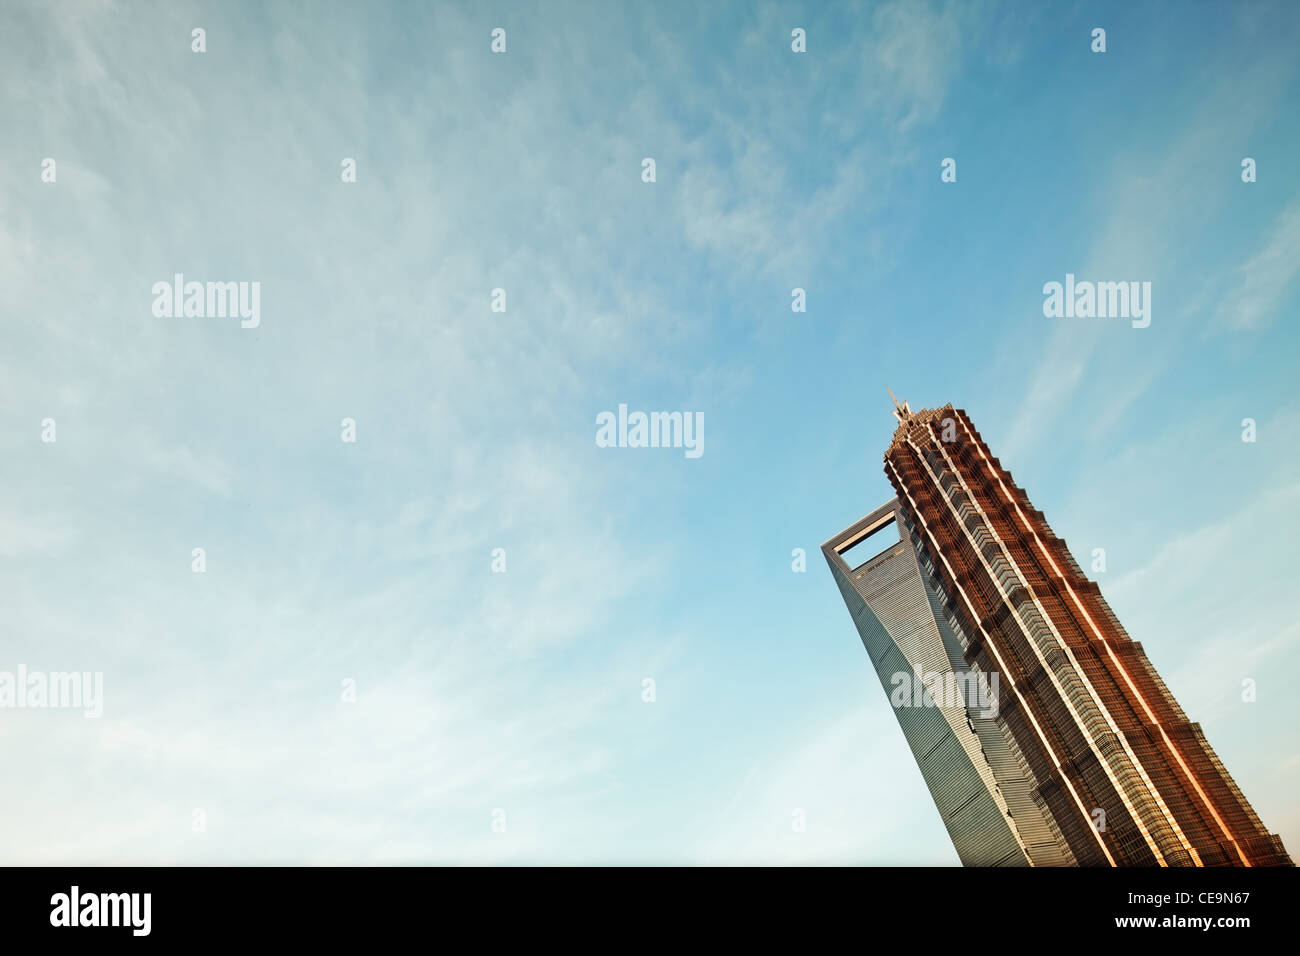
(901, 409)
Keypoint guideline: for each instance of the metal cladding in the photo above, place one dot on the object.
(1088, 755)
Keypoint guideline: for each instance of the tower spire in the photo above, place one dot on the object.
(901, 409)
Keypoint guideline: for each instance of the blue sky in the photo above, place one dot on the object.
(371, 561)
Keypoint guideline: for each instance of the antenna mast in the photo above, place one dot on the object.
(902, 410)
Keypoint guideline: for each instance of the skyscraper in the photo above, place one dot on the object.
(1043, 732)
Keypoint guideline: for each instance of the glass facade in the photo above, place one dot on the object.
(963, 758)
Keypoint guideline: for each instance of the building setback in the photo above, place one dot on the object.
(1086, 759)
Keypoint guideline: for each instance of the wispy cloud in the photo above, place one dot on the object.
(1266, 276)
